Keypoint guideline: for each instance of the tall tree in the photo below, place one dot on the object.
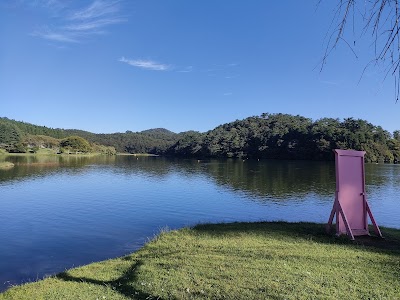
(9, 133)
(76, 144)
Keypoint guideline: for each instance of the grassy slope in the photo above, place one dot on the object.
(237, 261)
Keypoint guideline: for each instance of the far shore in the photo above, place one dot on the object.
(136, 154)
(47, 153)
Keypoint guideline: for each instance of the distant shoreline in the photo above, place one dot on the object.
(136, 154)
(75, 154)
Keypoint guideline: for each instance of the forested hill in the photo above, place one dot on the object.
(17, 136)
(283, 136)
(153, 141)
(279, 136)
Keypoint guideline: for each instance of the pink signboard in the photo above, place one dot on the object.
(351, 207)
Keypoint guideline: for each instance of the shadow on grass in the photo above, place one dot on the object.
(122, 285)
(306, 231)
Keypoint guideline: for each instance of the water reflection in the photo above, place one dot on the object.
(26, 166)
(62, 211)
(278, 179)
(258, 179)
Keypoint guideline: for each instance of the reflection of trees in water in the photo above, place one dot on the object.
(44, 165)
(61, 160)
(282, 179)
(262, 179)
(380, 174)
(157, 167)
(274, 178)
(147, 166)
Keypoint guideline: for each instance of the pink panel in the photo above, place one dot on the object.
(350, 190)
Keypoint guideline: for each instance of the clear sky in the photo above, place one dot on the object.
(111, 66)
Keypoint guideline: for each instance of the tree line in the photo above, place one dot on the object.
(268, 136)
(21, 137)
(284, 136)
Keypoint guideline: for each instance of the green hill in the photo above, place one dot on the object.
(269, 136)
(283, 136)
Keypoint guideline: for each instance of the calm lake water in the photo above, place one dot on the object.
(61, 212)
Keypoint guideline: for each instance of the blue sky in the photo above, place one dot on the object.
(111, 66)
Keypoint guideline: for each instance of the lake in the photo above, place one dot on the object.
(58, 212)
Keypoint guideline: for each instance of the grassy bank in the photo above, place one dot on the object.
(237, 261)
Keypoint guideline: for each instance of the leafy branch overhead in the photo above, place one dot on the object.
(378, 19)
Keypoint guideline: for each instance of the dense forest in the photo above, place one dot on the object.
(16, 136)
(271, 136)
(283, 136)
(21, 137)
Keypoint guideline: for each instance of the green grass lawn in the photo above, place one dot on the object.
(237, 261)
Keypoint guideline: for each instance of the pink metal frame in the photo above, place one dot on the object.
(351, 206)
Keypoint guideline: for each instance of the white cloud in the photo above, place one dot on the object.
(48, 34)
(145, 64)
(81, 23)
(231, 76)
(47, 4)
(91, 25)
(98, 8)
(186, 70)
